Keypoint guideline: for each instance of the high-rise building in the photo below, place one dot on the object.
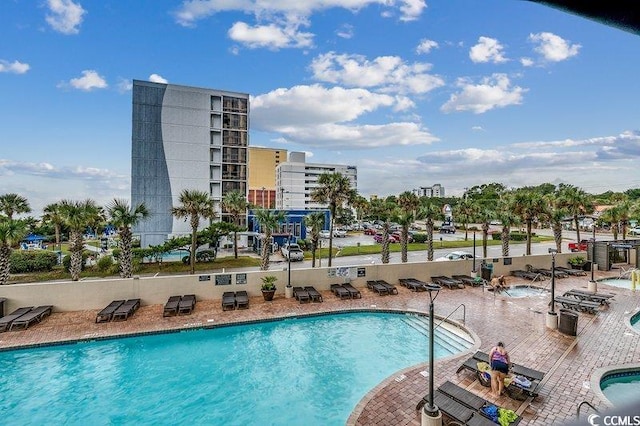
(296, 179)
(185, 138)
(262, 175)
(434, 191)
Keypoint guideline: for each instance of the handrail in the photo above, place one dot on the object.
(464, 315)
(585, 403)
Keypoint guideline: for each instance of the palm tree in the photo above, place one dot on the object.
(484, 216)
(507, 218)
(335, 190)
(193, 205)
(556, 214)
(528, 205)
(314, 223)
(268, 221)
(361, 205)
(613, 216)
(384, 210)
(429, 211)
(53, 215)
(77, 215)
(235, 203)
(409, 203)
(124, 218)
(465, 212)
(577, 202)
(11, 233)
(11, 204)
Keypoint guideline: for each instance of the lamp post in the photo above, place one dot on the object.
(431, 415)
(474, 251)
(593, 286)
(552, 316)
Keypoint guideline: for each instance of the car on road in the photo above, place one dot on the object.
(292, 252)
(455, 255)
(634, 231)
(339, 233)
(392, 238)
(447, 228)
(325, 234)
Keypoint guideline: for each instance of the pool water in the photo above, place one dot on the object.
(307, 371)
(523, 291)
(621, 388)
(618, 282)
(635, 321)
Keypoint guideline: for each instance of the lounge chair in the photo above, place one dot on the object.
(571, 271)
(547, 272)
(528, 275)
(6, 321)
(469, 280)
(577, 304)
(390, 287)
(106, 314)
(514, 390)
(171, 307)
(314, 294)
(242, 299)
(125, 310)
(301, 294)
(228, 300)
(413, 284)
(187, 304)
(355, 293)
(602, 298)
(34, 315)
(340, 291)
(449, 282)
(377, 287)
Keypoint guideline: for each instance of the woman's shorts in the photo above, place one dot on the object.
(500, 366)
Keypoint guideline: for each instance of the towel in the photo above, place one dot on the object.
(506, 417)
(492, 412)
(522, 382)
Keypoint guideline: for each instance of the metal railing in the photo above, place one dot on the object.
(464, 315)
(585, 403)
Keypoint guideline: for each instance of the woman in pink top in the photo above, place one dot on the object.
(499, 368)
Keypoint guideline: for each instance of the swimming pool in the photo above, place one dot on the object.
(523, 291)
(618, 282)
(621, 387)
(310, 371)
(635, 321)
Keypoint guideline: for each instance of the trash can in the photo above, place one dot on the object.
(568, 323)
(2, 300)
(487, 271)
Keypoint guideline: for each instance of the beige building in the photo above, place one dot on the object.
(262, 175)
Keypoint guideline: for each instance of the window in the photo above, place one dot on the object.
(235, 104)
(234, 121)
(234, 138)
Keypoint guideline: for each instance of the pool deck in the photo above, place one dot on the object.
(603, 339)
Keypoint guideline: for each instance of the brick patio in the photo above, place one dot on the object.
(603, 339)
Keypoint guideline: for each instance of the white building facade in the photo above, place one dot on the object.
(296, 179)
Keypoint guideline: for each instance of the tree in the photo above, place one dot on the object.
(194, 204)
(268, 221)
(384, 210)
(124, 218)
(507, 217)
(528, 205)
(429, 211)
(314, 223)
(465, 211)
(11, 233)
(576, 202)
(53, 216)
(335, 190)
(77, 215)
(235, 203)
(408, 203)
(11, 204)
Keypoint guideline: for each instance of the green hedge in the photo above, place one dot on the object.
(419, 238)
(32, 261)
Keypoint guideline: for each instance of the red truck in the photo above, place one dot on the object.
(581, 246)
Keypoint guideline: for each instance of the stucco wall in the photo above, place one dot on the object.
(96, 294)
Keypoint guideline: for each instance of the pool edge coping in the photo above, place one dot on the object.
(599, 373)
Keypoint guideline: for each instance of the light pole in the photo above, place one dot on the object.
(552, 316)
(431, 415)
(593, 286)
(474, 251)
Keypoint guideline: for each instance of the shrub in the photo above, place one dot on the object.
(419, 238)
(517, 236)
(105, 263)
(32, 261)
(66, 261)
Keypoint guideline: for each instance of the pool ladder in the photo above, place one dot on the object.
(585, 403)
(464, 315)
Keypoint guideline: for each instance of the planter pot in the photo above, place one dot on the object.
(268, 295)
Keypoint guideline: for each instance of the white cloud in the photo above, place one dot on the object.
(477, 129)
(345, 31)
(157, 78)
(14, 67)
(124, 85)
(65, 16)
(552, 47)
(487, 50)
(492, 92)
(387, 73)
(270, 36)
(426, 46)
(315, 116)
(526, 62)
(90, 80)
(194, 10)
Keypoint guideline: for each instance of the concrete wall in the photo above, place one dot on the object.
(96, 294)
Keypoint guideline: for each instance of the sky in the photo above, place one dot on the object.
(412, 92)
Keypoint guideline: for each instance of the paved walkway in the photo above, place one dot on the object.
(603, 339)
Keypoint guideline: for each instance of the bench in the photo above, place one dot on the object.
(577, 304)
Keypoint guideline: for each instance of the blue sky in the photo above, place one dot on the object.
(412, 92)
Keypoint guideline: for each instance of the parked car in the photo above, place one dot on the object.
(455, 255)
(581, 246)
(447, 228)
(370, 231)
(339, 233)
(325, 234)
(634, 231)
(392, 238)
(292, 251)
(398, 236)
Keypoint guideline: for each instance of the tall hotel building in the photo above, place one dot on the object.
(185, 138)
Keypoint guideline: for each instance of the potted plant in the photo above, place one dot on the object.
(268, 287)
(577, 262)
